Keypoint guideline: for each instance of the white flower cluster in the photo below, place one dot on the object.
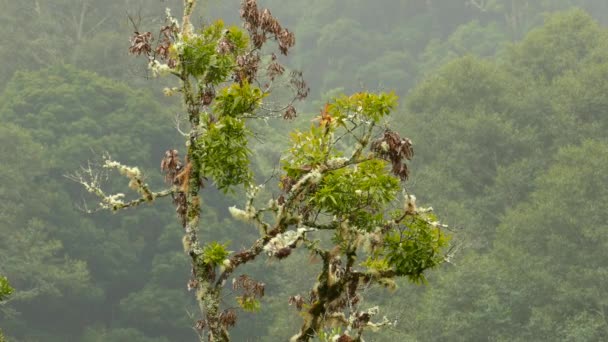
(113, 200)
(178, 45)
(133, 173)
(373, 311)
(226, 265)
(274, 205)
(170, 18)
(254, 190)
(409, 205)
(170, 91)
(158, 69)
(240, 214)
(91, 187)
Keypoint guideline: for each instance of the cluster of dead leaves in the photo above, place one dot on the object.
(176, 174)
(262, 25)
(141, 43)
(395, 149)
(249, 286)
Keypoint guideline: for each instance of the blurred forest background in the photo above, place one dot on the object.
(506, 103)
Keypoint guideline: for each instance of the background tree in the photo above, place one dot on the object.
(73, 262)
(504, 288)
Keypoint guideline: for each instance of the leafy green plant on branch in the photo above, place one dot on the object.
(342, 186)
(5, 291)
(5, 288)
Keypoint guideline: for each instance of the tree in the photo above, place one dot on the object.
(544, 278)
(542, 241)
(340, 181)
(84, 33)
(32, 258)
(51, 120)
(522, 168)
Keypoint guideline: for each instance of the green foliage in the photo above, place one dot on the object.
(93, 39)
(466, 84)
(33, 257)
(368, 105)
(558, 46)
(343, 191)
(307, 151)
(237, 100)
(354, 194)
(539, 243)
(215, 253)
(55, 119)
(579, 94)
(223, 152)
(249, 304)
(522, 168)
(200, 52)
(310, 149)
(415, 248)
(327, 336)
(472, 38)
(5, 288)
(157, 310)
(72, 112)
(377, 264)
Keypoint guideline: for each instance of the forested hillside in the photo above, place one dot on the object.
(506, 103)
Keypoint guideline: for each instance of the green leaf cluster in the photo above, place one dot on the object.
(237, 100)
(415, 247)
(201, 57)
(5, 288)
(307, 151)
(368, 105)
(223, 152)
(351, 189)
(377, 264)
(327, 336)
(215, 253)
(248, 303)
